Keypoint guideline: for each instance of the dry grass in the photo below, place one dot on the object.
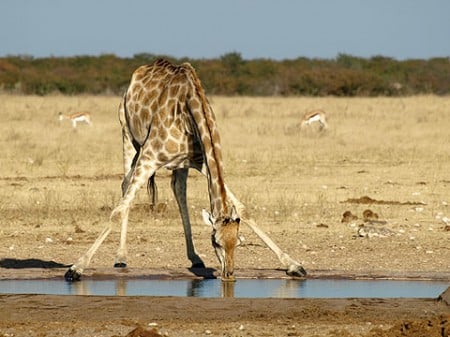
(55, 179)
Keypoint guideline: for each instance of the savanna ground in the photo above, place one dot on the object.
(58, 187)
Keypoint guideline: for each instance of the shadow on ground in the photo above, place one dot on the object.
(30, 263)
(207, 273)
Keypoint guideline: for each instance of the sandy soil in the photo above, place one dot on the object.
(57, 192)
(41, 243)
(36, 315)
(85, 315)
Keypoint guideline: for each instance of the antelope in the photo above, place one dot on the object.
(315, 116)
(77, 117)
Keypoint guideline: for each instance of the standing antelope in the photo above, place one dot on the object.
(77, 117)
(315, 116)
(168, 122)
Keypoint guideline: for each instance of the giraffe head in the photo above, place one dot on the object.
(224, 239)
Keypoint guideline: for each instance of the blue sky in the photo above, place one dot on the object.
(276, 29)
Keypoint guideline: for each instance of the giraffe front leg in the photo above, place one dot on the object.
(179, 178)
(76, 270)
(140, 173)
(120, 214)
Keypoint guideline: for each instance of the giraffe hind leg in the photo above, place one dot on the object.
(130, 156)
(152, 191)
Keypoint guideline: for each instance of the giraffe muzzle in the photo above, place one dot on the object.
(228, 277)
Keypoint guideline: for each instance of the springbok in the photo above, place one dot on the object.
(77, 117)
(315, 116)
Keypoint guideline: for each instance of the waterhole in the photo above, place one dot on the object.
(242, 288)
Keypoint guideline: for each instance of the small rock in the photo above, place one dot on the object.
(371, 231)
(348, 217)
(369, 215)
(445, 296)
(78, 229)
(141, 332)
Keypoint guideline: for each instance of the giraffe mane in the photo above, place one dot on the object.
(207, 111)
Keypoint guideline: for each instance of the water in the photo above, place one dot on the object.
(242, 288)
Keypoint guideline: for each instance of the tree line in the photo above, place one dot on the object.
(230, 74)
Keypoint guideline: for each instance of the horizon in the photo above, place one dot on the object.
(32, 57)
(205, 29)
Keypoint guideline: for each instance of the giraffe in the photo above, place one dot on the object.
(168, 122)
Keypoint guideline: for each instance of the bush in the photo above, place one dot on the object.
(232, 75)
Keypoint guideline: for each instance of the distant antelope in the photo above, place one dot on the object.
(315, 116)
(77, 117)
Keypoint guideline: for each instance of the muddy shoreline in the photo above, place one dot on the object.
(81, 315)
(19, 271)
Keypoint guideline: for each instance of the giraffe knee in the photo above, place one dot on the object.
(118, 213)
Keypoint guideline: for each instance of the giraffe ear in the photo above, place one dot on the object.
(207, 218)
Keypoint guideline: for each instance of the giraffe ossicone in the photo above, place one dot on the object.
(167, 122)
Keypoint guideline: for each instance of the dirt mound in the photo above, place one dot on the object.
(368, 200)
(141, 332)
(434, 327)
(445, 297)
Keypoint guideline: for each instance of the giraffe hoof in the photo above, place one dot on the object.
(72, 275)
(120, 265)
(296, 270)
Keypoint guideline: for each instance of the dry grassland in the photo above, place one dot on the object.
(59, 185)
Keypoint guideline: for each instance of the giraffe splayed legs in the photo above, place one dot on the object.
(168, 122)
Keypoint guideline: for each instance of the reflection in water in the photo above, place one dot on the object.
(289, 289)
(242, 288)
(227, 289)
(194, 288)
(121, 287)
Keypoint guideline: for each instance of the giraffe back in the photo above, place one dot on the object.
(166, 105)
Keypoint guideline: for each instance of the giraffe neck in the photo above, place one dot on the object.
(206, 122)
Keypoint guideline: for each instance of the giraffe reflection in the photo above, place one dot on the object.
(119, 287)
(227, 289)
